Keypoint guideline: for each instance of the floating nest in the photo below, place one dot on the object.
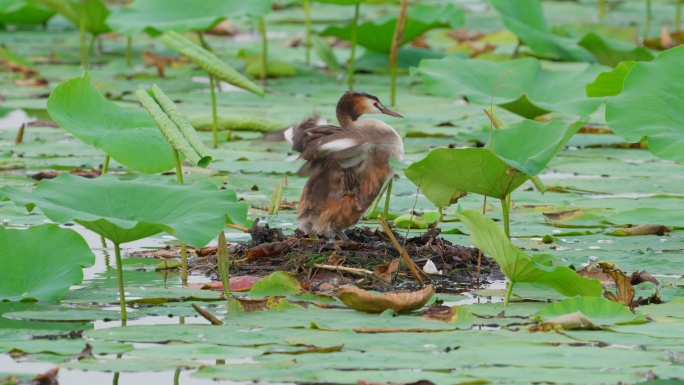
(368, 258)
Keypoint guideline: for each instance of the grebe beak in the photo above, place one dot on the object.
(389, 112)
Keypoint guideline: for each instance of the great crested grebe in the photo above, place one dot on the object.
(348, 165)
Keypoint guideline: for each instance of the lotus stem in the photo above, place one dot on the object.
(388, 193)
(509, 292)
(394, 50)
(129, 43)
(119, 277)
(184, 251)
(105, 165)
(602, 9)
(355, 27)
(179, 171)
(115, 380)
(84, 53)
(307, 23)
(184, 264)
(176, 375)
(647, 22)
(214, 116)
(506, 208)
(264, 49)
(224, 263)
(91, 45)
(678, 16)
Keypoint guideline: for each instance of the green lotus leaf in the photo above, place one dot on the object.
(599, 310)
(41, 262)
(526, 89)
(156, 16)
(209, 62)
(131, 137)
(24, 12)
(445, 173)
(610, 83)
(93, 12)
(611, 53)
(530, 145)
(377, 34)
(651, 105)
(525, 18)
(124, 211)
(489, 237)
(175, 126)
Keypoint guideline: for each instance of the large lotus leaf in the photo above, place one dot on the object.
(93, 12)
(156, 16)
(444, 173)
(530, 145)
(489, 237)
(651, 104)
(526, 89)
(41, 262)
(525, 18)
(600, 310)
(131, 137)
(123, 211)
(24, 12)
(610, 83)
(377, 34)
(611, 52)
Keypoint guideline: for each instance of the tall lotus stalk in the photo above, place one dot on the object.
(214, 66)
(678, 16)
(264, 50)
(355, 27)
(177, 129)
(394, 50)
(307, 23)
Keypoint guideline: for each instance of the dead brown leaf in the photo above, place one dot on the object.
(419, 382)
(154, 60)
(420, 42)
(643, 230)
(440, 313)
(665, 38)
(592, 272)
(334, 259)
(640, 277)
(90, 174)
(31, 82)
(399, 301)
(463, 34)
(224, 28)
(86, 353)
(387, 270)
(572, 321)
(625, 291)
(274, 249)
(15, 67)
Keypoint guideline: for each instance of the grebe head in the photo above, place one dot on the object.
(355, 104)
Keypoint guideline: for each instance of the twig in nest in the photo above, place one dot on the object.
(351, 270)
(208, 316)
(414, 269)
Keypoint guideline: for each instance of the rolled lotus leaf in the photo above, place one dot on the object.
(170, 130)
(325, 53)
(203, 122)
(209, 62)
(183, 124)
